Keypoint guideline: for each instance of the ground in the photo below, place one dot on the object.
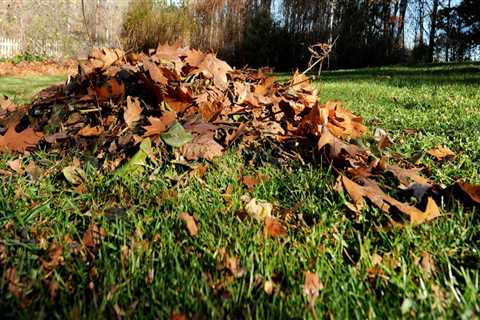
(147, 265)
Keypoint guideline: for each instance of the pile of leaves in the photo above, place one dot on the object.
(189, 105)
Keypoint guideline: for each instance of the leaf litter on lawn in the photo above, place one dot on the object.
(191, 105)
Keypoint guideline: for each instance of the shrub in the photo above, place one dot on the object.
(147, 23)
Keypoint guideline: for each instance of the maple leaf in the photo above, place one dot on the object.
(133, 112)
(19, 141)
(160, 125)
(190, 223)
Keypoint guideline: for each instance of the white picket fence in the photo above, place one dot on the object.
(9, 47)
(12, 47)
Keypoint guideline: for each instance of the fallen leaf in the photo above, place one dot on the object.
(190, 223)
(88, 131)
(312, 285)
(178, 316)
(428, 263)
(93, 236)
(269, 287)
(19, 141)
(74, 174)
(155, 73)
(274, 228)
(133, 111)
(136, 165)
(469, 191)
(176, 136)
(233, 265)
(16, 165)
(110, 89)
(441, 153)
(160, 125)
(33, 170)
(202, 147)
(258, 209)
(53, 287)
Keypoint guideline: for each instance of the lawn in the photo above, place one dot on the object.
(145, 264)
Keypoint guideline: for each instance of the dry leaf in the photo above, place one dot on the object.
(88, 131)
(258, 209)
(269, 287)
(312, 285)
(202, 147)
(93, 236)
(133, 112)
(19, 141)
(160, 125)
(16, 165)
(469, 191)
(441, 153)
(233, 265)
(190, 223)
(274, 228)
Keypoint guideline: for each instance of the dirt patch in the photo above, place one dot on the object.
(47, 67)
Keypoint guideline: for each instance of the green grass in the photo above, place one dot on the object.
(22, 89)
(441, 102)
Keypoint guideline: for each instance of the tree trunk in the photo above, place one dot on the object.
(433, 30)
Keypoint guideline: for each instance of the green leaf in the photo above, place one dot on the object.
(136, 165)
(176, 136)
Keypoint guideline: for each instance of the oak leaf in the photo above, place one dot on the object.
(19, 141)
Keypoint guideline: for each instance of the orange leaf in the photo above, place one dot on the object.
(190, 223)
(155, 73)
(312, 285)
(274, 228)
(441, 153)
(88, 131)
(110, 89)
(160, 125)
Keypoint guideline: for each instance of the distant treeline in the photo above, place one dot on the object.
(278, 32)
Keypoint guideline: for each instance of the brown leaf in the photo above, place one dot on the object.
(155, 73)
(93, 236)
(428, 263)
(178, 316)
(55, 257)
(133, 111)
(6, 105)
(203, 146)
(441, 153)
(33, 170)
(110, 89)
(19, 141)
(14, 286)
(338, 149)
(312, 285)
(274, 228)
(160, 125)
(212, 67)
(16, 165)
(190, 223)
(53, 287)
(470, 191)
(371, 191)
(88, 131)
(233, 265)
